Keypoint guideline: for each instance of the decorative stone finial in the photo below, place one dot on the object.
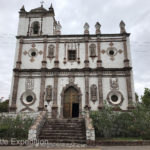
(86, 28)
(22, 9)
(42, 2)
(97, 27)
(122, 27)
(58, 28)
(51, 9)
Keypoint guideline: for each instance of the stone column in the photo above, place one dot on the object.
(16, 77)
(55, 92)
(99, 61)
(57, 54)
(42, 89)
(44, 62)
(129, 89)
(128, 74)
(43, 77)
(14, 93)
(86, 54)
(87, 105)
(100, 90)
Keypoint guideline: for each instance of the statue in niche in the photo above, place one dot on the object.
(49, 93)
(51, 51)
(92, 50)
(93, 92)
(114, 84)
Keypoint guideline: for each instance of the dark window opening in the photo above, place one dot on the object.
(35, 28)
(71, 54)
(33, 54)
(29, 98)
(111, 52)
(114, 98)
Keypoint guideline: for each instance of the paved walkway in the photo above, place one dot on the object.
(96, 148)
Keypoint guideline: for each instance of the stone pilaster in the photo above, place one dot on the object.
(57, 54)
(87, 105)
(126, 60)
(14, 93)
(129, 89)
(55, 91)
(44, 62)
(86, 62)
(18, 63)
(99, 61)
(42, 89)
(100, 90)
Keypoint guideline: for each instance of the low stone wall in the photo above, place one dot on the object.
(35, 129)
(32, 115)
(118, 143)
(90, 132)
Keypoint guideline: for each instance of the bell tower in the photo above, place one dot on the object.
(37, 22)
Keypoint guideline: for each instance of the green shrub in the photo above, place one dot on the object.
(4, 106)
(14, 128)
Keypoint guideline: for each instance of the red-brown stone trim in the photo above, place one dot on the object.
(78, 59)
(87, 105)
(18, 63)
(71, 84)
(42, 89)
(44, 54)
(129, 89)
(99, 61)
(86, 55)
(126, 60)
(15, 91)
(29, 27)
(41, 26)
(55, 91)
(65, 52)
(57, 54)
(100, 90)
(27, 108)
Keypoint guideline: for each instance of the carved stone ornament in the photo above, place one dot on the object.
(29, 85)
(93, 90)
(51, 49)
(122, 27)
(112, 52)
(115, 98)
(71, 78)
(97, 27)
(92, 48)
(114, 84)
(86, 28)
(49, 92)
(33, 52)
(28, 98)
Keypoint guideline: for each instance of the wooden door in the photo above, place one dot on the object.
(71, 96)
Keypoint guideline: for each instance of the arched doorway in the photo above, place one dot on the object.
(71, 103)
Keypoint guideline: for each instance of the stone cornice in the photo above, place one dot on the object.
(83, 70)
(75, 35)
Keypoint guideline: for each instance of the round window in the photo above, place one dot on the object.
(29, 99)
(111, 52)
(33, 54)
(114, 98)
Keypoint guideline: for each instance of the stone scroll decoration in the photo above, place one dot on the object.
(93, 90)
(112, 51)
(92, 49)
(49, 91)
(114, 84)
(33, 52)
(51, 52)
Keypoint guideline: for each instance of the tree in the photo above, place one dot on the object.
(146, 97)
(4, 106)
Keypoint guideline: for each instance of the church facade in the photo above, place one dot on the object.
(68, 74)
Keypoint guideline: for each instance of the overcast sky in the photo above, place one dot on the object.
(72, 15)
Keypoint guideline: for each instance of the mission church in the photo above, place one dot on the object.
(68, 74)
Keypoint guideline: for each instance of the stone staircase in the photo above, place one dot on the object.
(64, 131)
